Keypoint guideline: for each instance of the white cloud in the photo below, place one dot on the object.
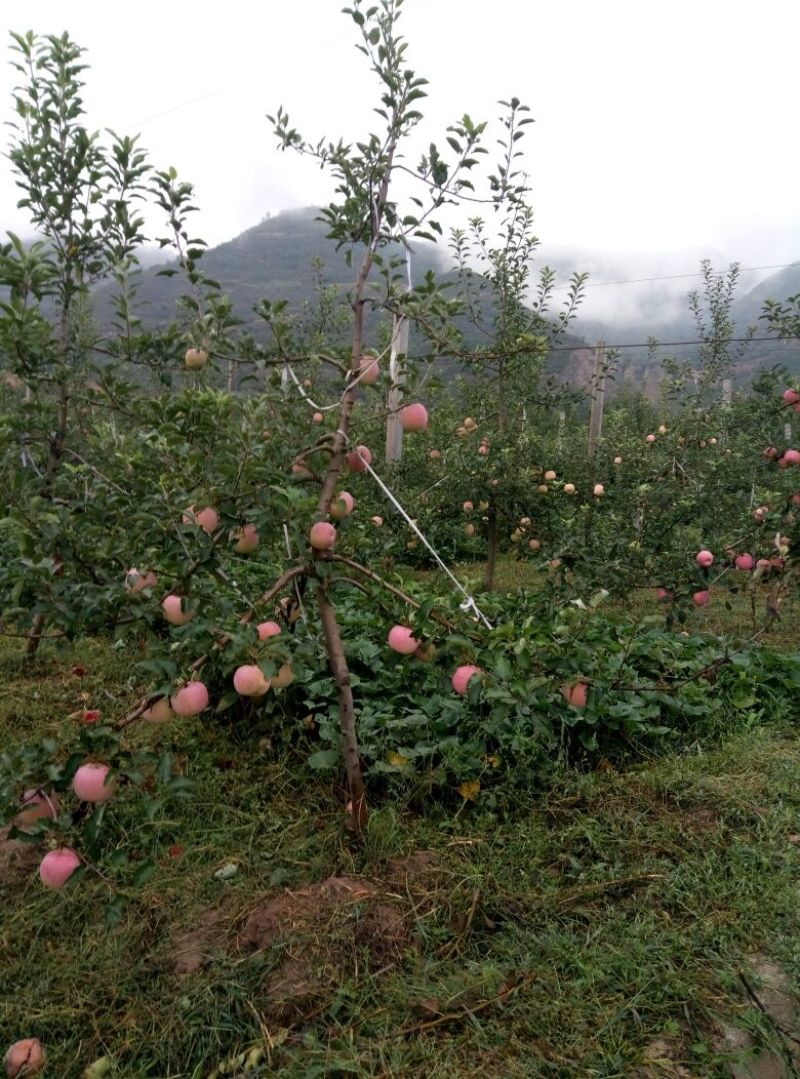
(659, 127)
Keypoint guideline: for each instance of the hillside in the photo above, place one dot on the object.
(747, 308)
(279, 259)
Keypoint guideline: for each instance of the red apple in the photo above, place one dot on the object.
(24, 1058)
(414, 417)
(91, 783)
(704, 559)
(57, 867)
(175, 612)
(745, 561)
(342, 505)
(402, 640)
(322, 536)
(267, 630)
(195, 358)
(159, 711)
(702, 598)
(249, 681)
(136, 582)
(190, 700)
(284, 677)
(575, 694)
(246, 539)
(207, 518)
(462, 677)
(37, 805)
(369, 370)
(358, 459)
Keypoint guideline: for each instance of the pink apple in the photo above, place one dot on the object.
(771, 452)
(796, 499)
(650, 439)
(534, 544)
(414, 417)
(369, 370)
(462, 677)
(37, 805)
(745, 561)
(377, 521)
(175, 612)
(246, 539)
(358, 459)
(550, 475)
(426, 653)
(136, 582)
(159, 712)
(267, 630)
(434, 455)
(24, 1058)
(322, 536)
(317, 417)
(617, 460)
(249, 681)
(791, 397)
(701, 599)
(792, 456)
(704, 559)
(468, 507)
(575, 694)
(207, 519)
(402, 640)
(91, 783)
(284, 677)
(483, 450)
(664, 595)
(190, 700)
(195, 358)
(57, 867)
(760, 513)
(569, 488)
(599, 490)
(342, 505)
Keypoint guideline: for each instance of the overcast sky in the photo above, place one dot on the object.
(663, 131)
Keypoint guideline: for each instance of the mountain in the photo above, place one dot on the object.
(745, 311)
(284, 258)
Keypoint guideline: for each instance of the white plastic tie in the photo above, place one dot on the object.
(469, 603)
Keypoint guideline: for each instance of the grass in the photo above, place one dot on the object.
(611, 910)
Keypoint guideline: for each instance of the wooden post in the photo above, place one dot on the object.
(397, 374)
(562, 417)
(787, 432)
(598, 398)
(727, 393)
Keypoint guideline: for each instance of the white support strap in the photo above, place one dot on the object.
(469, 603)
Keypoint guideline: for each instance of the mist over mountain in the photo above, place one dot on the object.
(630, 298)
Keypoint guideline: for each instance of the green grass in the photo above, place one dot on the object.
(608, 911)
